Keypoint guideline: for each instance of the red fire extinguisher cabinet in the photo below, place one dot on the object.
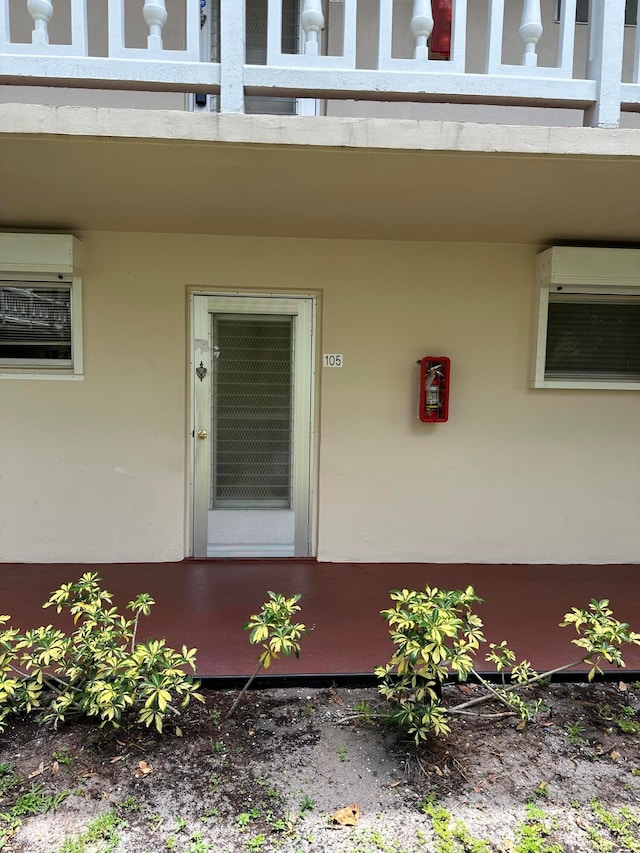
(433, 405)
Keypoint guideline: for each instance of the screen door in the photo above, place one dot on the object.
(252, 438)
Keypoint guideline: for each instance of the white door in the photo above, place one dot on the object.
(252, 381)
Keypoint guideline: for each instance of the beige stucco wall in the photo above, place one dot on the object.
(96, 470)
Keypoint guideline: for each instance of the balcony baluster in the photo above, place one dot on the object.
(530, 31)
(155, 15)
(312, 22)
(421, 27)
(41, 11)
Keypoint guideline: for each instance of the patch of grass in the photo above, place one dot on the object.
(104, 830)
(257, 842)
(364, 710)
(627, 722)
(532, 834)
(451, 837)
(268, 788)
(9, 825)
(197, 844)
(8, 778)
(540, 792)
(428, 801)
(342, 753)
(155, 821)
(244, 818)
(130, 804)
(599, 844)
(622, 824)
(605, 713)
(277, 824)
(212, 812)
(373, 840)
(36, 801)
(306, 804)
(63, 757)
(575, 733)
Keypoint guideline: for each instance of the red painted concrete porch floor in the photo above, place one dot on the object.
(205, 604)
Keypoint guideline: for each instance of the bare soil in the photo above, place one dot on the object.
(271, 777)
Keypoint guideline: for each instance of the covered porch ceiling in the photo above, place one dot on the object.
(75, 169)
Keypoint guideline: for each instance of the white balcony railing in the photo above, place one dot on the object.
(480, 67)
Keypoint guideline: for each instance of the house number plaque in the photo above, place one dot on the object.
(332, 359)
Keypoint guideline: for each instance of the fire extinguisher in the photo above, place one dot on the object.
(433, 397)
(432, 391)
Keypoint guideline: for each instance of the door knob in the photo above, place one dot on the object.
(202, 433)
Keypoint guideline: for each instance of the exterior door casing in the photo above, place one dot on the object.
(226, 521)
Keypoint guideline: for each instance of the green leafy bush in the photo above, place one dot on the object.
(273, 629)
(436, 634)
(600, 635)
(99, 670)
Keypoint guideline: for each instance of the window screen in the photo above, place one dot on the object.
(593, 337)
(35, 324)
(257, 52)
(252, 411)
(582, 12)
(256, 49)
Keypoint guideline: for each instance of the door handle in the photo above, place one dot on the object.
(202, 434)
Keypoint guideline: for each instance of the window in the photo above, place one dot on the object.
(40, 311)
(588, 319)
(582, 12)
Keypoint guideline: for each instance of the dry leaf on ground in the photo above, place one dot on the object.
(143, 769)
(41, 769)
(348, 816)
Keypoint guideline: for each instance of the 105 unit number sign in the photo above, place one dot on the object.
(332, 359)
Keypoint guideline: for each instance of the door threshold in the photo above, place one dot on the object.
(251, 559)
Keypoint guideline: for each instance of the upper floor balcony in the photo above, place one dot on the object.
(397, 58)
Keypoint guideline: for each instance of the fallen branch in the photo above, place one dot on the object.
(477, 716)
(493, 694)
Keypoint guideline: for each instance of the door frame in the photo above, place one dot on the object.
(194, 526)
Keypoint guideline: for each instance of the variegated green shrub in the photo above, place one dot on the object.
(437, 635)
(99, 670)
(273, 629)
(435, 632)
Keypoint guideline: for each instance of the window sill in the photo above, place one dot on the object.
(78, 377)
(587, 384)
